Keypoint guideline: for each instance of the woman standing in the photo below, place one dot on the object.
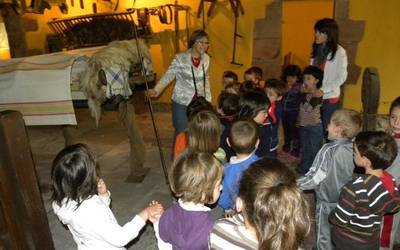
(190, 69)
(328, 55)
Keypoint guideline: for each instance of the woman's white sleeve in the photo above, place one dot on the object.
(340, 72)
(169, 75)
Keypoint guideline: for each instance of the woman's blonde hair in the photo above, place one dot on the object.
(204, 132)
(274, 205)
(194, 176)
(350, 121)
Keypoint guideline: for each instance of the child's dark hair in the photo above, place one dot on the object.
(196, 105)
(230, 74)
(194, 176)
(329, 27)
(243, 136)
(379, 147)
(316, 72)
(291, 70)
(274, 205)
(73, 174)
(278, 86)
(394, 104)
(195, 36)
(257, 71)
(247, 86)
(232, 88)
(251, 103)
(228, 103)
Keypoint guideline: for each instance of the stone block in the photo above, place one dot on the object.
(351, 50)
(274, 10)
(351, 31)
(267, 28)
(30, 24)
(267, 48)
(341, 9)
(271, 68)
(354, 72)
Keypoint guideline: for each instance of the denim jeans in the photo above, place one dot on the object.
(179, 119)
(327, 110)
(291, 132)
(311, 142)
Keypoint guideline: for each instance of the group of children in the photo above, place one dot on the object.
(228, 157)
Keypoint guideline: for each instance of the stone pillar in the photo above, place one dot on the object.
(267, 41)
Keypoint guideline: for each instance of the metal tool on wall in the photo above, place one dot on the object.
(236, 6)
(237, 9)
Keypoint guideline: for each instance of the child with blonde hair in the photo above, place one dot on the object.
(195, 106)
(332, 168)
(195, 179)
(274, 213)
(81, 202)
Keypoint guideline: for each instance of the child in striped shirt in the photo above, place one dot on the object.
(364, 200)
(273, 211)
(309, 119)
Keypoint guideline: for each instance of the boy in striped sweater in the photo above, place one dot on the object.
(364, 200)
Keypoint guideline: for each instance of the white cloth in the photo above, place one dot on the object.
(94, 226)
(181, 70)
(117, 82)
(335, 74)
(39, 87)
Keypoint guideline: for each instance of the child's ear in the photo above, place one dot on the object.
(227, 141)
(366, 162)
(279, 98)
(239, 204)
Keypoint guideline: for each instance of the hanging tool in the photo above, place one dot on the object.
(236, 6)
(201, 10)
(176, 20)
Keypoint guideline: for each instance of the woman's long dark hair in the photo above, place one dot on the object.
(73, 174)
(329, 27)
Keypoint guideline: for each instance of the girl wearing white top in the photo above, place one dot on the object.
(328, 55)
(82, 202)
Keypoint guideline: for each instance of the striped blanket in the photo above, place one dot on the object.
(39, 87)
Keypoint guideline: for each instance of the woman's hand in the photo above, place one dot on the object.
(318, 93)
(152, 93)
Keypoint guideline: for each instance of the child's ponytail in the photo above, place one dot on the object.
(274, 205)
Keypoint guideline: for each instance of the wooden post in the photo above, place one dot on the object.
(137, 147)
(15, 31)
(23, 219)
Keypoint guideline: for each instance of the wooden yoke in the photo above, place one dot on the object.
(23, 220)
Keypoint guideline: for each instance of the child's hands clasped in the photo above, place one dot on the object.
(153, 212)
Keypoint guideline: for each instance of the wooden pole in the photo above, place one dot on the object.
(23, 219)
(15, 31)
